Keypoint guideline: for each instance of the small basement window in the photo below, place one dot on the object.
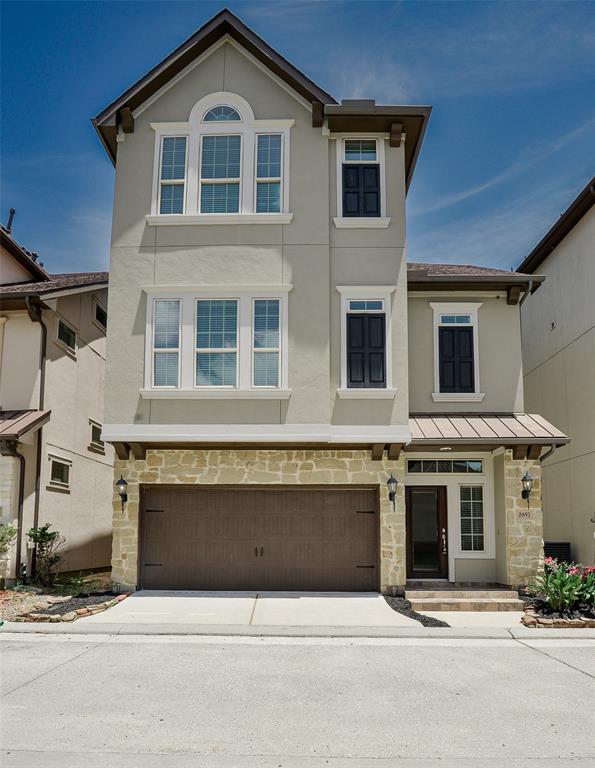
(67, 335)
(59, 473)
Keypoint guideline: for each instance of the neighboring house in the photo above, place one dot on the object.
(269, 381)
(559, 363)
(54, 466)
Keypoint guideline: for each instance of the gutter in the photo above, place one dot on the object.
(35, 314)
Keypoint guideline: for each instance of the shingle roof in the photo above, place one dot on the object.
(55, 283)
(14, 424)
(472, 270)
(503, 428)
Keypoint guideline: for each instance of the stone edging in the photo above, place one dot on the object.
(532, 619)
(88, 610)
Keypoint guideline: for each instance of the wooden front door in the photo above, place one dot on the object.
(427, 535)
(259, 538)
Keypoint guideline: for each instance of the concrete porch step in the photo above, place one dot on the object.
(475, 594)
(465, 604)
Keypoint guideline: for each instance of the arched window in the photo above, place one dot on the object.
(220, 114)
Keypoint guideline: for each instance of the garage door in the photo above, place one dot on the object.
(290, 538)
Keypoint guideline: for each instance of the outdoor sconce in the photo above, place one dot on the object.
(122, 485)
(392, 488)
(527, 482)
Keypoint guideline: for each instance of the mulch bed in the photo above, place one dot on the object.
(538, 614)
(403, 606)
(80, 601)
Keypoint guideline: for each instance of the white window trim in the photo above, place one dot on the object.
(223, 350)
(93, 445)
(188, 297)
(56, 483)
(153, 349)
(249, 127)
(255, 350)
(231, 180)
(385, 293)
(354, 222)
(453, 483)
(457, 308)
(94, 320)
(72, 352)
(171, 182)
(271, 179)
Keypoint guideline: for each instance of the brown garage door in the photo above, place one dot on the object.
(290, 538)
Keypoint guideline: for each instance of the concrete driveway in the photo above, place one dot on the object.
(288, 609)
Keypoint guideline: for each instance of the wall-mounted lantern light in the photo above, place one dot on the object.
(527, 482)
(392, 483)
(122, 485)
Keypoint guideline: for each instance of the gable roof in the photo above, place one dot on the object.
(565, 224)
(55, 283)
(224, 23)
(24, 257)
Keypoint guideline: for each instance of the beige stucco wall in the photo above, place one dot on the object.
(307, 253)
(290, 467)
(10, 270)
(559, 362)
(500, 363)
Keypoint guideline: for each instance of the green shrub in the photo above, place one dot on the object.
(47, 552)
(8, 534)
(566, 587)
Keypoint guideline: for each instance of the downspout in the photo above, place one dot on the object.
(10, 449)
(35, 314)
(527, 292)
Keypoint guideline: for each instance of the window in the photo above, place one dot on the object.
(166, 343)
(266, 343)
(59, 473)
(100, 315)
(67, 336)
(456, 363)
(96, 443)
(221, 114)
(268, 173)
(216, 342)
(366, 344)
(172, 174)
(361, 178)
(223, 162)
(220, 174)
(472, 535)
(446, 466)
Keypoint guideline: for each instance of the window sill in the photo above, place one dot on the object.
(72, 353)
(366, 394)
(57, 487)
(353, 222)
(178, 219)
(96, 448)
(215, 393)
(458, 397)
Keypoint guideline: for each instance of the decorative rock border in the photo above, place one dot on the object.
(532, 619)
(88, 610)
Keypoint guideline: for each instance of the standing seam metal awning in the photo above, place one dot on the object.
(14, 424)
(508, 429)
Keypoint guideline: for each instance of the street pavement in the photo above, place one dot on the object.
(84, 701)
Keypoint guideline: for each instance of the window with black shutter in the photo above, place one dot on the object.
(456, 359)
(366, 350)
(361, 190)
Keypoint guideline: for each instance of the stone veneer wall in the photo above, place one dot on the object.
(524, 525)
(291, 467)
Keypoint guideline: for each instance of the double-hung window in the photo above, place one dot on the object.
(456, 363)
(268, 173)
(266, 343)
(216, 342)
(166, 343)
(220, 174)
(361, 178)
(366, 343)
(172, 174)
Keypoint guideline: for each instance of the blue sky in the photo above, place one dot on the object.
(511, 139)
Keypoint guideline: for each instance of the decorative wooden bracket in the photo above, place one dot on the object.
(394, 451)
(127, 120)
(122, 451)
(317, 114)
(396, 129)
(519, 452)
(377, 451)
(139, 451)
(513, 295)
(534, 452)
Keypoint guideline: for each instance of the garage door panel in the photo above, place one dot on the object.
(293, 538)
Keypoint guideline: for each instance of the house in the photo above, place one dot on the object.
(559, 363)
(291, 404)
(54, 466)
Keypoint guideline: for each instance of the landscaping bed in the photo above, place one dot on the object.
(563, 596)
(403, 606)
(539, 614)
(72, 608)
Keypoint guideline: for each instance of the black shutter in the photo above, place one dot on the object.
(366, 351)
(361, 190)
(457, 365)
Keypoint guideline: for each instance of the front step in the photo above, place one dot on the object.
(464, 600)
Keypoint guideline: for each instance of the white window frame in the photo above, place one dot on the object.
(154, 349)
(483, 501)
(456, 308)
(56, 484)
(194, 129)
(370, 292)
(245, 296)
(357, 222)
(223, 350)
(254, 350)
(97, 303)
(269, 179)
(158, 183)
(96, 447)
(73, 352)
(230, 180)
(453, 483)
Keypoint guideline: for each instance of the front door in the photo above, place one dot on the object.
(427, 553)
